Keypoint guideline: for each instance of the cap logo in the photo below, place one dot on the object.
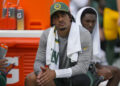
(57, 6)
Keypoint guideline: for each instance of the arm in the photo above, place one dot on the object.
(44, 74)
(86, 56)
(118, 5)
(40, 57)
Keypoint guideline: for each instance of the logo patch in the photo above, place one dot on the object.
(57, 6)
(85, 48)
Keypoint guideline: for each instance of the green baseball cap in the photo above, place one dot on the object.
(58, 6)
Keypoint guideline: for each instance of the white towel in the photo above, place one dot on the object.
(52, 46)
(74, 44)
(95, 33)
(73, 47)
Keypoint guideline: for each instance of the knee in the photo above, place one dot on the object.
(115, 71)
(82, 80)
(30, 78)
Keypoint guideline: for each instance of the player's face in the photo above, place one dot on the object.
(89, 21)
(61, 20)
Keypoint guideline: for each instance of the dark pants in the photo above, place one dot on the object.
(79, 80)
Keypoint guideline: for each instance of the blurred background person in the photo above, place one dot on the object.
(111, 24)
(99, 5)
(2, 70)
(88, 18)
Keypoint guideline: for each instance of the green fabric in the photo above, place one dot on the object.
(92, 78)
(95, 5)
(110, 54)
(112, 4)
(100, 20)
(2, 79)
(58, 6)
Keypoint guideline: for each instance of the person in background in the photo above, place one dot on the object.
(64, 52)
(2, 70)
(87, 17)
(111, 24)
(3, 67)
(75, 5)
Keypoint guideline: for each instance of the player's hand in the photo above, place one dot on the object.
(3, 65)
(3, 62)
(104, 72)
(38, 79)
(45, 76)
